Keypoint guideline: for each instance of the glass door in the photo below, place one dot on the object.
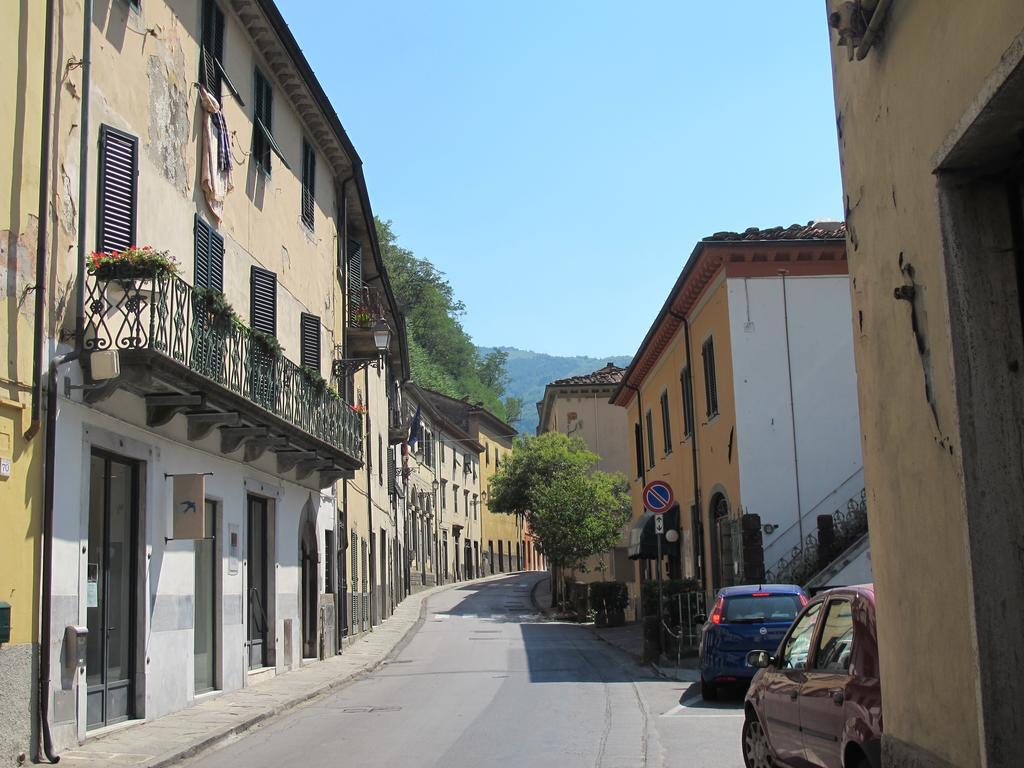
(205, 627)
(110, 590)
(257, 573)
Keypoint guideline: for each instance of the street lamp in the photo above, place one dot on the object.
(343, 366)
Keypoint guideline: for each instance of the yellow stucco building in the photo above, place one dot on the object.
(21, 103)
(930, 107)
(742, 397)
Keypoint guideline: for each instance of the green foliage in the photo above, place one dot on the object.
(514, 410)
(670, 588)
(441, 354)
(572, 511)
(609, 595)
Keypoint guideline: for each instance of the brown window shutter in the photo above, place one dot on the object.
(117, 203)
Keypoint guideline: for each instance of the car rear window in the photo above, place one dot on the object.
(750, 609)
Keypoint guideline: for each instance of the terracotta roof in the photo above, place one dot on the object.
(610, 374)
(812, 230)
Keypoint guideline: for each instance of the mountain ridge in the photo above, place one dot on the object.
(529, 372)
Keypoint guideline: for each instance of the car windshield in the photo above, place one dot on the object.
(751, 609)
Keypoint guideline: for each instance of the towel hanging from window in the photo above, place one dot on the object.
(215, 156)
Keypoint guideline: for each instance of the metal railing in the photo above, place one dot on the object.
(803, 562)
(164, 314)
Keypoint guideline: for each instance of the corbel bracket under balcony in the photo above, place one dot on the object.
(161, 408)
(231, 438)
(287, 460)
(258, 445)
(202, 423)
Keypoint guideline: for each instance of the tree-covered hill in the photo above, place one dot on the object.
(441, 353)
(529, 372)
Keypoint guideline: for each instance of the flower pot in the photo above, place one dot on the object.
(125, 272)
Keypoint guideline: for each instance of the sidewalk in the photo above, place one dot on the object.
(187, 732)
(629, 639)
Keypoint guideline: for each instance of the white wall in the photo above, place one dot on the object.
(824, 400)
(169, 588)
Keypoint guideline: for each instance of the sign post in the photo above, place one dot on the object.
(658, 498)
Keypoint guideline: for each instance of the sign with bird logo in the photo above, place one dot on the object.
(189, 507)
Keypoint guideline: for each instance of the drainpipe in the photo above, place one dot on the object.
(43, 215)
(792, 412)
(49, 474)
(874, 26)
(693, 446)
(369, 502)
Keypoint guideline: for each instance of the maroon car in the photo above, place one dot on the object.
(818, 702)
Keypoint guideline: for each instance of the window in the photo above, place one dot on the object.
(650, 440)
(798, 645)
(475, 503)
(639, 440)
(455, 499)
(211, 52)
(117, 204)
(444, 491)
(496, 460)
(263, 125)
(309, 342)
(380, 460)
(835, 646)
(487, 455)
(263, 297)
(707, 354)
(329, 555)
(308, 183)
(754, 609)
(687, 388)
(441, 442)
(666, 424)
(209, 255)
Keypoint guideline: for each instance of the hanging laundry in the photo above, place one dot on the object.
(215, 156)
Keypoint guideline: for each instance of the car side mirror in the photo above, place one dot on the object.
(700, 618)
(759, 659)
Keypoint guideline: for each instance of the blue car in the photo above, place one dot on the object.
(749, 618)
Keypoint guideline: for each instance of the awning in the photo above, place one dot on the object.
(643, 542)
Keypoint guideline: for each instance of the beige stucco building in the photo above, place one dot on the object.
(228, 505)
(502, 537)
(929, 109)
(579, 406)
(444, 489)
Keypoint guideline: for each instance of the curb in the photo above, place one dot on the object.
(667, 673)
(209, 741)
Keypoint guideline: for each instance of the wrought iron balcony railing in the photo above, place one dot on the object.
(818, 550)
(163, 314)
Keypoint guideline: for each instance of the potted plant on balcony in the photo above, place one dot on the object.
(133, 263)
(267, 344)
(215, 308)
(362, 319)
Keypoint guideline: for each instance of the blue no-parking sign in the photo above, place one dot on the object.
(658, 496)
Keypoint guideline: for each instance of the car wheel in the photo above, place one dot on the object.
(756, 753)
(708, 691)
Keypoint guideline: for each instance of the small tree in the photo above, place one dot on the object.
(573, 511)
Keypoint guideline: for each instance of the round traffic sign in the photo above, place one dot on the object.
(658, 496)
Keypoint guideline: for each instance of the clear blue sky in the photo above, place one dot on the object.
(559, 160)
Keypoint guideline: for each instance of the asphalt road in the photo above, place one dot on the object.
(486, 682)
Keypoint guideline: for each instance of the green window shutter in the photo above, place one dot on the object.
(202, 251)
(392, 474)
(263, 296)
(355, 275)
(309, 346)
(308, 183)
(117, 203)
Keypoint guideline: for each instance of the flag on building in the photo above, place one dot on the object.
(414, 430)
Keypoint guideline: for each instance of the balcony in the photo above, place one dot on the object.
(221, 375)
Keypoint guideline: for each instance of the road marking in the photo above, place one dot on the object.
(685, 710)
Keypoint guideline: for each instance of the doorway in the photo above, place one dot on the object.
(258, 558)
(310, 591)
(111, 589)
(205, 625)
